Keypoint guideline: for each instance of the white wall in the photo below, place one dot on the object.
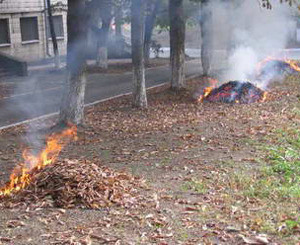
(29, 51)
(12, 6)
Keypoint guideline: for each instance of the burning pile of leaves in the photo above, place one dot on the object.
(236, 92)
(83, 184)
(245, 92)
(271, 68)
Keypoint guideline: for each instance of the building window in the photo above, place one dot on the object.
(29, 29)
(58, 26)
(4, 31)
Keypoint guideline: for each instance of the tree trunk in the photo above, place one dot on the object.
(137, 40)
(102, 56)
(72, 106)
(177, 43)
(119, 48)
(53, 36)
(118, 20)
(105, 11)
(206, 36)
(152, 9)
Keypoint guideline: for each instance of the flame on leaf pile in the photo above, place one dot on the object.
(213, 84)
(290, 63)
(268, 65)
(23, 174)
(239, 92)
(293, 65)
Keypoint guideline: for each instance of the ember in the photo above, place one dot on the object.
(235, 92)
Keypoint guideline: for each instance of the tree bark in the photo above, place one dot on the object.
(102, 52)
(72, 106)
(206, 36)
(118, 20)
(105, 12)
(53, 36)
(152, 9)
(137, 40)
(102, 56)
(119, 49)
(177, 43)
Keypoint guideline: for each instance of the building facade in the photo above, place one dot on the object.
(24, 29)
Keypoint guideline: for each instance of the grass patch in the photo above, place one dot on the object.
(195, 186)
(280, 169)
(284, 164)
(272, 186)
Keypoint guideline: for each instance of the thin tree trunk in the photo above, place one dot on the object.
(177, 43)
(105, 12)
(72, 106)
(119, 49)
(118, 20)
(102, 56)
(53, 36)
(206, 36)
(137, 40)
(102, 53)
(152, 10)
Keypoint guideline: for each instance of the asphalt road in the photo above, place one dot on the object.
(20, 108)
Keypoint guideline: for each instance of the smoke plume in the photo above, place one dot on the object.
(253, 33)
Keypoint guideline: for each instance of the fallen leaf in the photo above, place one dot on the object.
(5, 239)
(232, 229)
(14, 223)
(258, 240)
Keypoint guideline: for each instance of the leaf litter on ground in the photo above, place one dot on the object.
(81, 184)
(179, 127)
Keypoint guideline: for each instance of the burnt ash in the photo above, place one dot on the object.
(236, 92)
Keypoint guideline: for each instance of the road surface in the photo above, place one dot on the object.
(19, 108)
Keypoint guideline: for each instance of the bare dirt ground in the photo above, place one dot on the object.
(207, 168)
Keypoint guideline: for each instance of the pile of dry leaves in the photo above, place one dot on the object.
(83, 184)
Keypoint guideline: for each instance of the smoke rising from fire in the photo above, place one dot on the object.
(253, 34)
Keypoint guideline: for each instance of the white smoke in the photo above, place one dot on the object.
(242, 63)
(254, 33)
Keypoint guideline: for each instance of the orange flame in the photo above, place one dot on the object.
(207, 90)
(291, 63)
(264, 97)
(22, 174)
